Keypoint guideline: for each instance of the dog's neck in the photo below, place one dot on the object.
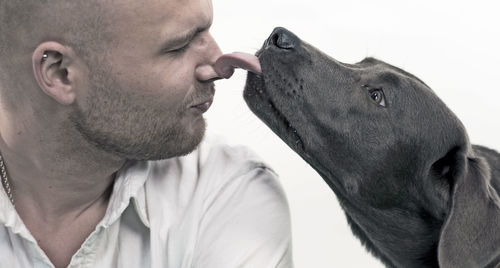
(411, 242)
(412, 237)
(396, 244)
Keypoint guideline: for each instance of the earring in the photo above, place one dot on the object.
(45, 57)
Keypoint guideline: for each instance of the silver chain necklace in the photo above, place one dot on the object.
(5, 180)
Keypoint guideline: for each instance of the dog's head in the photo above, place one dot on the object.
(383, 141)
(367, 127)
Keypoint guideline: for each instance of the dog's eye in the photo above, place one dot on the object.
(376, 94)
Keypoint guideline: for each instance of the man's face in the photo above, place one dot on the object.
(144, 94)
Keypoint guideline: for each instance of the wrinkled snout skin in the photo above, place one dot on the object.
(372, 131)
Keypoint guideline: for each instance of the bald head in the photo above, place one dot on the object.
(24, 24)
(80, 25)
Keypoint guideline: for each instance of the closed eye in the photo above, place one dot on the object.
(178, 45)
(179, 50)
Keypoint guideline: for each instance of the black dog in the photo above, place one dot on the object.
(413, 188)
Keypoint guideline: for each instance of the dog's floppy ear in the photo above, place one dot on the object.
(470, 236)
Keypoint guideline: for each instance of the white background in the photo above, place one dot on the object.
(451, 45)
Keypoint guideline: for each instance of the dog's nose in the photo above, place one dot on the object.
(282, 38)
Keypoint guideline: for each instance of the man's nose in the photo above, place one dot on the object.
(205, 71)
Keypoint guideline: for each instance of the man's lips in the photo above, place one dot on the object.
(203, 106)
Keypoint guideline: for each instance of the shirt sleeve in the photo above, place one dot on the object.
(246, 224)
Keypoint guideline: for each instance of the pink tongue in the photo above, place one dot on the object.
(225, 65)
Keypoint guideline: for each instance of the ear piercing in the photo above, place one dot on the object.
(45, 57)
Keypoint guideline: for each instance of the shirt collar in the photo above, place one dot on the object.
(129, 185)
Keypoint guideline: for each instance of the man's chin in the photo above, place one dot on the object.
(184, 146)
(176, 141)
(178, 144)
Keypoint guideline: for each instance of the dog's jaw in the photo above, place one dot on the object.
(262, 104)
(266, 98)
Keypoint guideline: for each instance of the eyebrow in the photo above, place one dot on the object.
(183, 38)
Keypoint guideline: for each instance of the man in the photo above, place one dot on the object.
(99, 102)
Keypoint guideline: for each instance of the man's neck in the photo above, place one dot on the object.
(52, 202)
(57, 178)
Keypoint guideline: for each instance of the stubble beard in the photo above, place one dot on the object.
(114, 123)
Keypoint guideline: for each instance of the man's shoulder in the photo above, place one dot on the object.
(220, 198)
(185, 186)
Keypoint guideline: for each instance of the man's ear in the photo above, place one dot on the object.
(470, 236)
(57, 71)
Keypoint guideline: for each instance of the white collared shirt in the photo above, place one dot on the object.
(218, 207)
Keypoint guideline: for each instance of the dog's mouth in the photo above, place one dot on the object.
(262, 104)
(271, 107)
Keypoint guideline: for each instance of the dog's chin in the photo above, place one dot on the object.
(261, 104)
